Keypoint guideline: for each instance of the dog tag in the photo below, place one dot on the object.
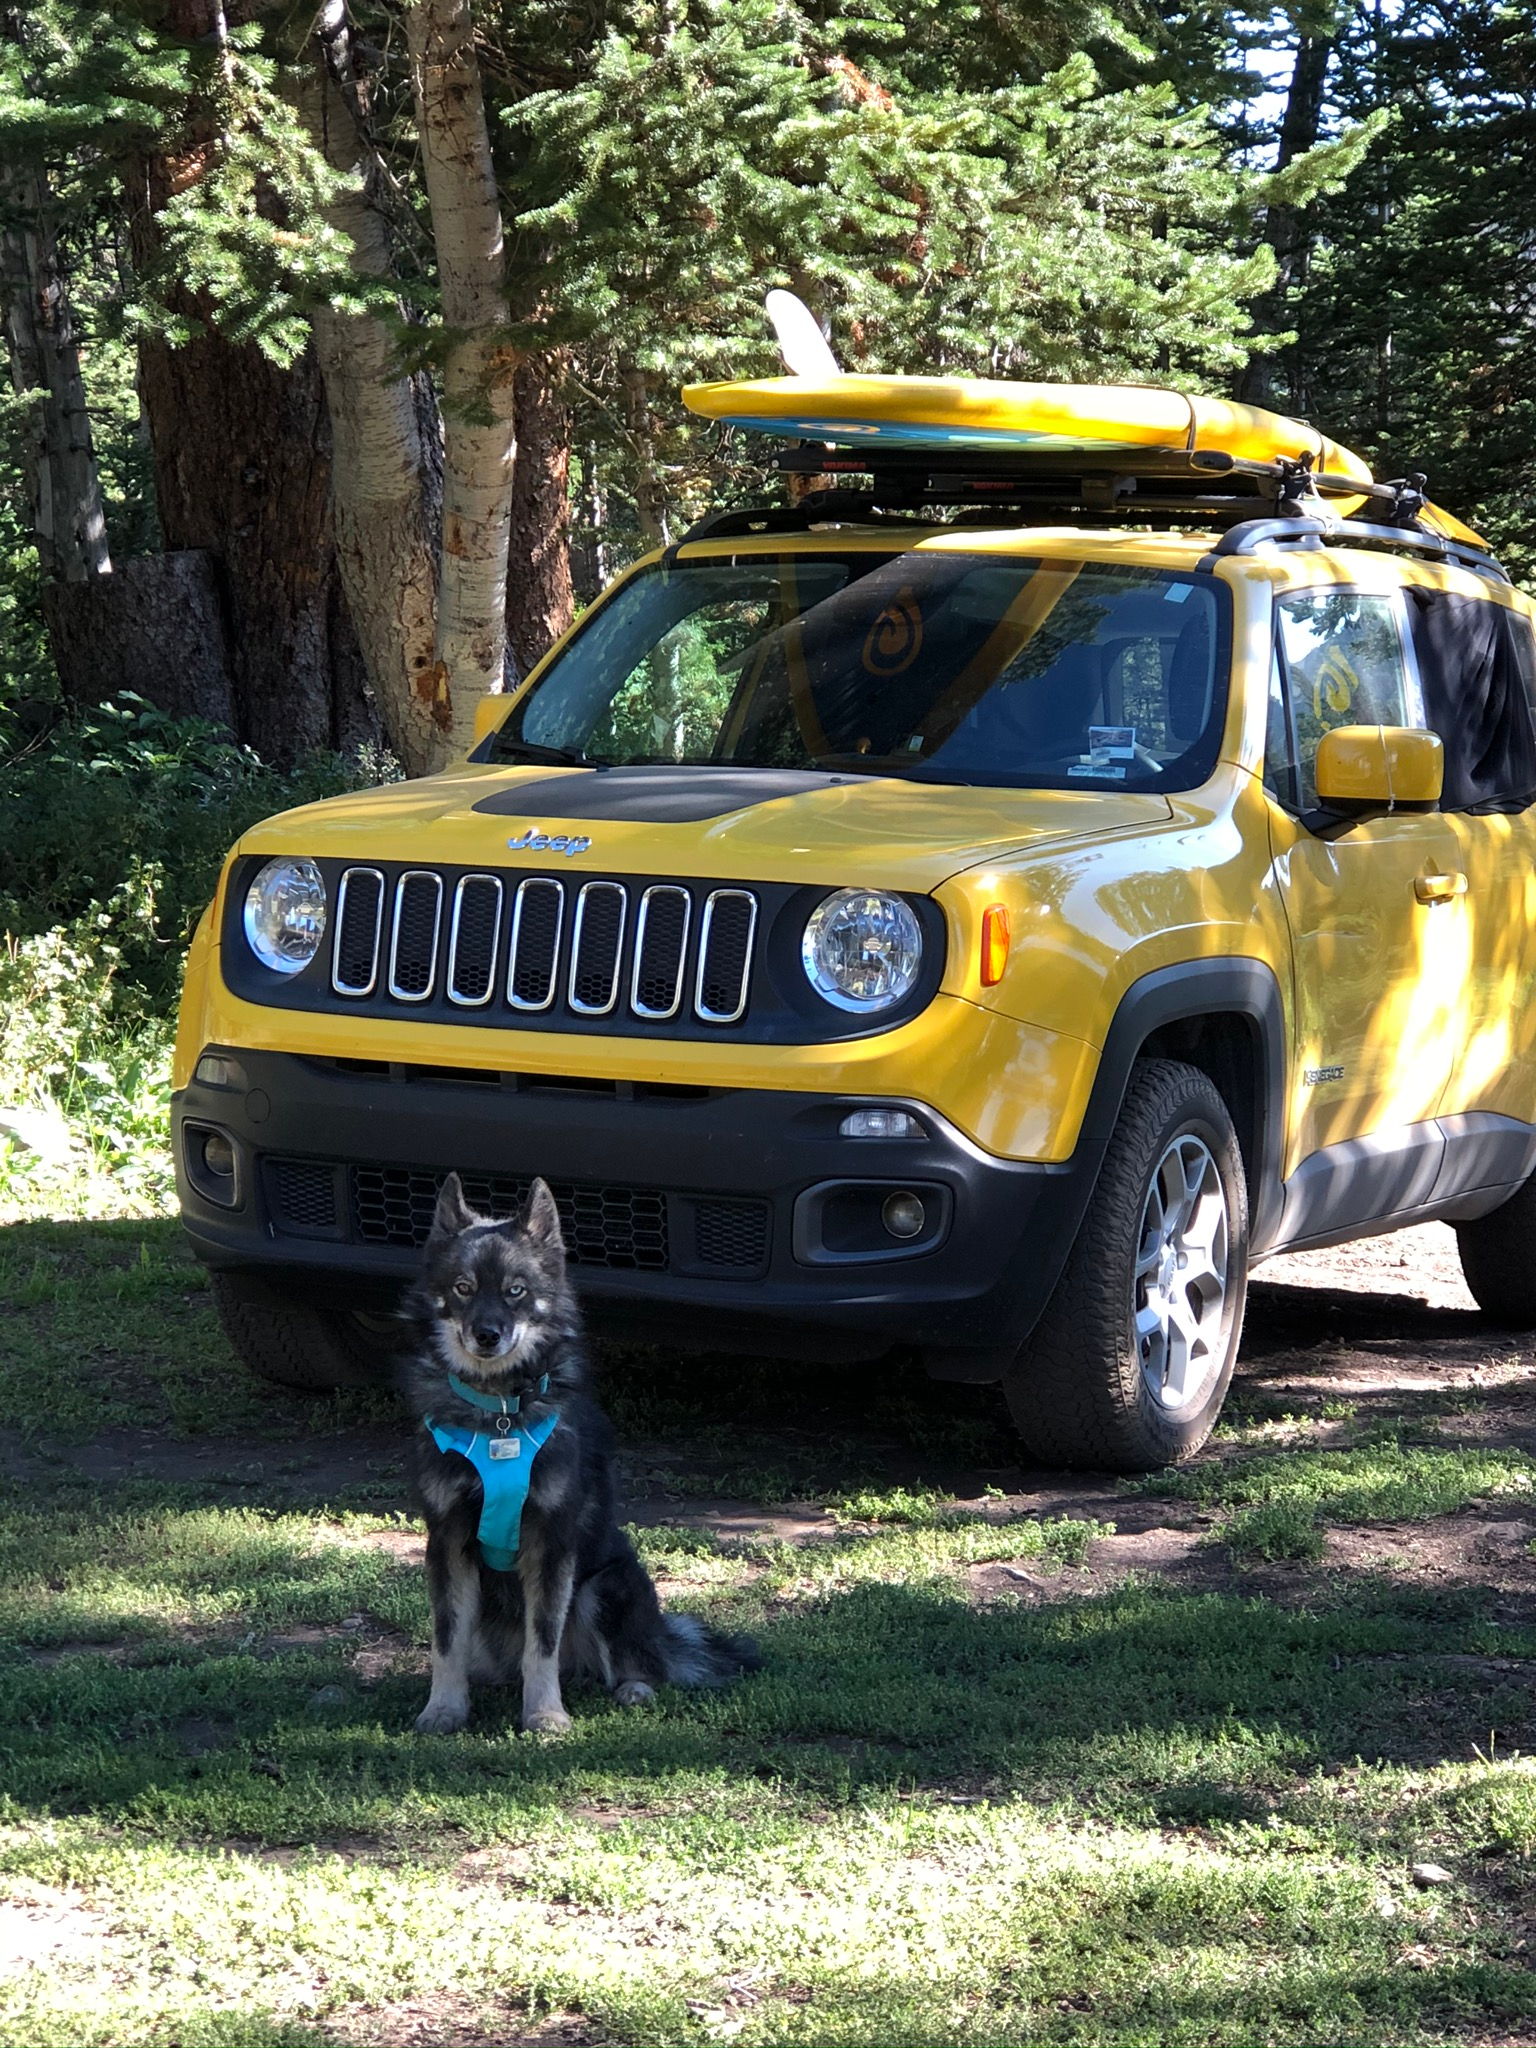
(505, 1447)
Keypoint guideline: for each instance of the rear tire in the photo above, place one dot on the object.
(315, 1350)
(1129, 1365)
(1497, 1260)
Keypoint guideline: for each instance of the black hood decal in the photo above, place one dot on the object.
(654, 796)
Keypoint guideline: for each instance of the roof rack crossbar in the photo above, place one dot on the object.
(1244, 538)
(1311, 533)
(814, 510)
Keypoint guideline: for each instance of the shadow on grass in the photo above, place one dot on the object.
(1140, 1704)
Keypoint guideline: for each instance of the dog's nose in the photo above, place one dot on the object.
(487, 1337)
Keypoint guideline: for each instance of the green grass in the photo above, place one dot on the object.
(1275, 1506)
(107, 1326)
(1126, 1813)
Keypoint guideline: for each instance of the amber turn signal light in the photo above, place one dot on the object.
(994, 945)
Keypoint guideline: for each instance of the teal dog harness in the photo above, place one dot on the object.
(503, 1458)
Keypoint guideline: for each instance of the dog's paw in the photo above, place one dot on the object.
(634, 1693)
(548, 1721)
(442, 1717)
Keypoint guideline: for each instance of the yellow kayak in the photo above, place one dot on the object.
(987, 415)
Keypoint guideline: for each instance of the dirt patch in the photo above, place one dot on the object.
(408, 1545)
(366, 1458)
(1411, 1265)
(453, 2020)
(1479, 1547)
(1384, 1326)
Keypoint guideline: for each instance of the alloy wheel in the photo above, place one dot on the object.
(1180, 1281)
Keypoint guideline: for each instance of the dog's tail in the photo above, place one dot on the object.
(695, 1654)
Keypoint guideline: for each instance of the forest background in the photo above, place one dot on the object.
(345, 349)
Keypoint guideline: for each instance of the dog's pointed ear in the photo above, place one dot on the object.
(453, 1214)
(541, 1219)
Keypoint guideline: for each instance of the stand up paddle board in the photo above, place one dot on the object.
(1116, 423)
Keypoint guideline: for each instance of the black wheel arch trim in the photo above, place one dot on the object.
(1184, 993)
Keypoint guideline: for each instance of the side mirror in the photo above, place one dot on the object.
(489, 712)
(1363, 768)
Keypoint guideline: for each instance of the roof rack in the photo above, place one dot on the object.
(1256, 503)
(1307, 533)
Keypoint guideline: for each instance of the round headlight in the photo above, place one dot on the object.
(285, 915)
(862, 949)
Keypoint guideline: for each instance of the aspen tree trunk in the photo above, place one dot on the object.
(591, 564)
(479, 367)
(540, 597)
(384, 473)
(67, 521)
(650, 490)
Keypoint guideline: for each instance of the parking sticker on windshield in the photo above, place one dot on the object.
(1099, 770)
(1112, 742)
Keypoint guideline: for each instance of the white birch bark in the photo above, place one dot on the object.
(383, 472)
(67, 520)
(478, 368)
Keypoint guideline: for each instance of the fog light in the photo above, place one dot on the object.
(903, 1215)
(880, 1123)
(217, 1070)
(219, 1155)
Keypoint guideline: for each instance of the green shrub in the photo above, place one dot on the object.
(125, 813)
(111, 837)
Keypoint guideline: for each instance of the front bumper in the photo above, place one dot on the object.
(734, 1217)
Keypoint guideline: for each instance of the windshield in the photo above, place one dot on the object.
(941, 667)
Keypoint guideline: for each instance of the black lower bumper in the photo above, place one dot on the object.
(738, 1218)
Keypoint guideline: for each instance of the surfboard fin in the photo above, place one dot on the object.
(801, 342)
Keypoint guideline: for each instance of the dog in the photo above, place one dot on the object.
(528, 1570)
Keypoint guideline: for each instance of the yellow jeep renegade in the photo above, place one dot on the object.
(984, 912)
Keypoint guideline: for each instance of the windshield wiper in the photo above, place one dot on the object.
(555, 757)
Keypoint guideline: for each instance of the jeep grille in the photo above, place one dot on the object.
(565, 944)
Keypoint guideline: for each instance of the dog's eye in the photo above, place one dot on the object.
(515, 1290)
(463, 1287)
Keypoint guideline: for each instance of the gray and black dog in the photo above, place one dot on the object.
(528, 1569)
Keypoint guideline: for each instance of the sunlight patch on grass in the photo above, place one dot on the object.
(1275, 1506)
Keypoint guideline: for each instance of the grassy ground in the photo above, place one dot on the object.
(1029, 1761)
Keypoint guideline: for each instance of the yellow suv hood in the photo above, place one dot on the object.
(877, 831)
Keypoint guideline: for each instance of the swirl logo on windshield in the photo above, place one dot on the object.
(895, 640)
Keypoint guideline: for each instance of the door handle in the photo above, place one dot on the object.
(1439, 888)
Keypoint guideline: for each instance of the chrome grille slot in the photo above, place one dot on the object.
(473, 940)
(661, 944)
(538, 913)
(359, 921)
(597, 938)
(725, 956)
(413, 944)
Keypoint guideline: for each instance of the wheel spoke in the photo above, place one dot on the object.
(1149, 1323)
(1175, 1192)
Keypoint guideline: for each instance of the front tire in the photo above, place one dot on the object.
(314, 1350)
(1129, 1365)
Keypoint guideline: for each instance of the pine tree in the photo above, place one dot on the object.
(1415, 325)
(943, 199)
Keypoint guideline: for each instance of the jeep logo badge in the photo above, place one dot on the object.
(535, 841)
